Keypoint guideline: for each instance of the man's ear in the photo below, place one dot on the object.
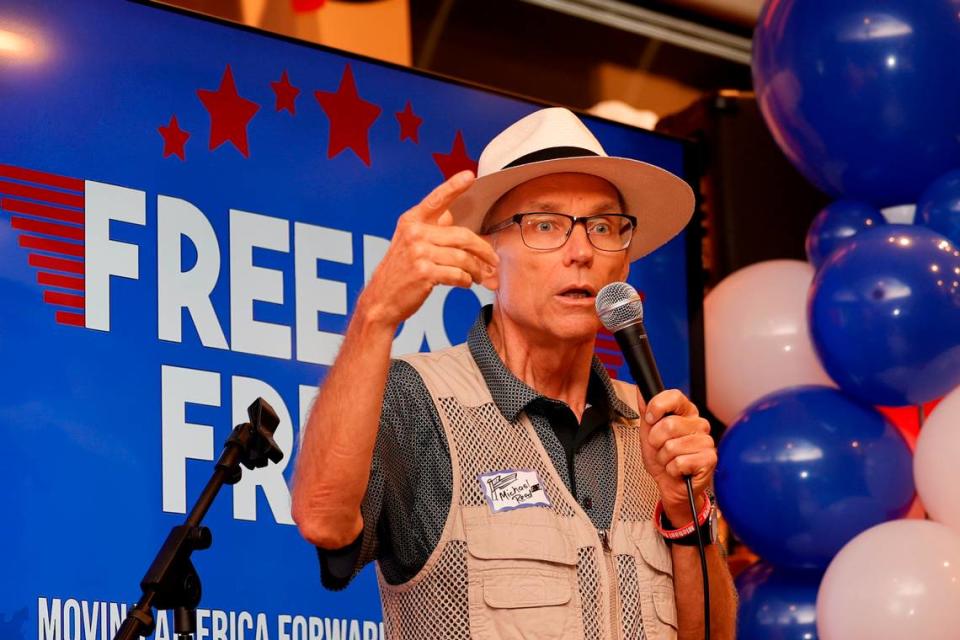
(625, 271)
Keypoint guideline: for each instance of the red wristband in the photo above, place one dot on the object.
(673, 534)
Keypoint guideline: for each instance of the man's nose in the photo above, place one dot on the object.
(579, 247)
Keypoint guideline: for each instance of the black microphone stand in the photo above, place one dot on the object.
(172, 582)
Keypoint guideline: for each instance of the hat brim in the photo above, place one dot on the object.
(662, 203)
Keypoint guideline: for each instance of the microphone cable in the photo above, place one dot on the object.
(621, 311)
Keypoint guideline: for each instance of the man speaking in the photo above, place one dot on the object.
(507, 487)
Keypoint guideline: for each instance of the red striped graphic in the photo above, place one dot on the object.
(41, 261)
(60, 280)
(606, 343)
(608, 352)
(40, 193)
(49, 217)
(53, 246)
(47, 228)
(68, 317)
(41, 177)
(63, 299)
(41, 210)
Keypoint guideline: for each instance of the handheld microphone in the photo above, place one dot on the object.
(621, 312)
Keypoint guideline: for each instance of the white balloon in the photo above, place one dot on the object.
(756, 336)
(935, 463)
(899, 579)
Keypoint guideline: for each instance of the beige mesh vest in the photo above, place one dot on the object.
(535, 572)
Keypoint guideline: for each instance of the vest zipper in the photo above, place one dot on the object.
(614, 584)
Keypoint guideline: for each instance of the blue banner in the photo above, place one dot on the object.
(188, 211)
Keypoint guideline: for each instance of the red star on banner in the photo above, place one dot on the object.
(229, 114)
(409, 124)
(286, 94)
(350, 117)
(455, 161)
(173, 138)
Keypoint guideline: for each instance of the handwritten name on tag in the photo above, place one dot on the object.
(513, 489)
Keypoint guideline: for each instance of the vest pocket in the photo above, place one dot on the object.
(522, 603)
(522, 580)
(654, 551)
(518, 589)
(664, 601)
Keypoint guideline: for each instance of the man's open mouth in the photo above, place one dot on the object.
(576, 293)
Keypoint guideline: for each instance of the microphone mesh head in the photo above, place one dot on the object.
(619, 305)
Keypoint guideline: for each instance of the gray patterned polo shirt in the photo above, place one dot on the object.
(408, 496)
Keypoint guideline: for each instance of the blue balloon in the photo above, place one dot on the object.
(835, 224)
(862, 96)
(777, 604)
(884, 315)
(805, 469)
(939, 206)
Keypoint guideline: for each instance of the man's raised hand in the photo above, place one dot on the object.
(427, 250)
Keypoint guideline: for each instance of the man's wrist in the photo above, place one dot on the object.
(371, 316)
(678, 513)
(688, 534)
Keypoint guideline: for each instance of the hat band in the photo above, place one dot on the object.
(551, 153)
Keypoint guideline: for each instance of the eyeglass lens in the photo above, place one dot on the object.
(550, 231)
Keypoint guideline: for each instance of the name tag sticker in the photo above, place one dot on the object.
(513, 489)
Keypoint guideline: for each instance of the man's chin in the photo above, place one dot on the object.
(575, 327)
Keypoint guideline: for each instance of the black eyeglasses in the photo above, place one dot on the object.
(544, 230)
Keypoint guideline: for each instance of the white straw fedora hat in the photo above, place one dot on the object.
(554, 140)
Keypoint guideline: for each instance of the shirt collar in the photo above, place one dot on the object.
(512, 395)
